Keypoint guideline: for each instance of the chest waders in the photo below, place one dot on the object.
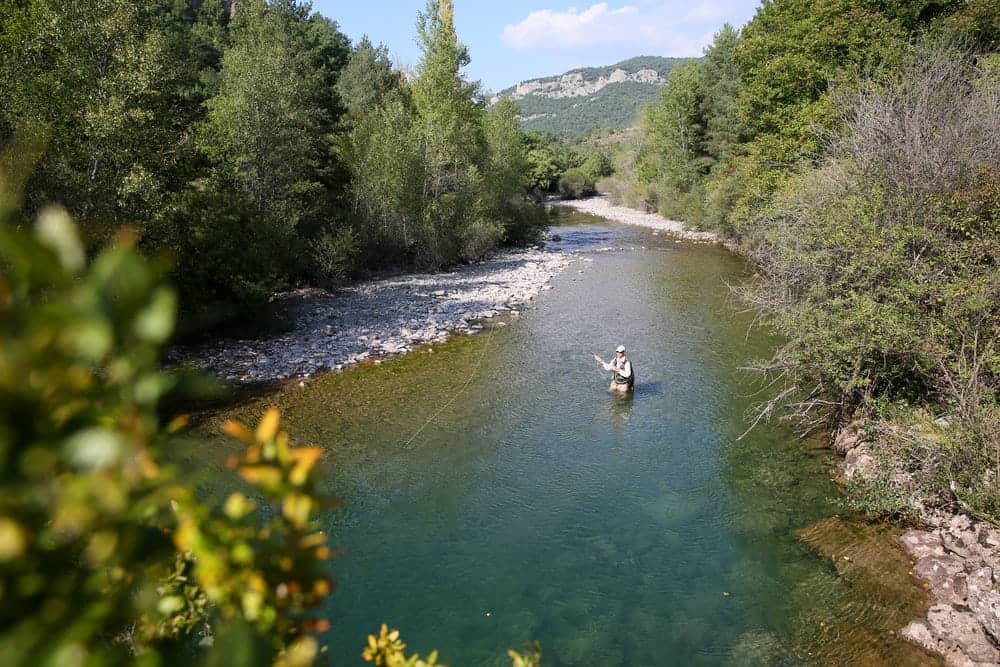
(620, 380)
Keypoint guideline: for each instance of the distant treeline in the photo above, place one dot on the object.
(252, 143)
(854, 148)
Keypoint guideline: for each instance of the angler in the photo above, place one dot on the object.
(623, 379)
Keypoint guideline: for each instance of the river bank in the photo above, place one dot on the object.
(380, 317)
(601, 205)
(958, 559)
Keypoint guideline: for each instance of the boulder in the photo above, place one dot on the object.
(849, 437)
(859, 461)
(984, 600)
(946, 577)
(960, 630)
(922, 543)
(918, 633)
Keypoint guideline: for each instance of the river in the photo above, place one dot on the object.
(495, 492)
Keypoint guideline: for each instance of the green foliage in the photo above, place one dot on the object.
(107, 554)
(880, 267)
(671, 157)
(724, 131)
(368, 78)
(576, 183)
(253, 145)
(437, 178)
(598, 165)
(976, 24)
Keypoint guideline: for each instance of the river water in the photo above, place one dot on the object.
(496, 493)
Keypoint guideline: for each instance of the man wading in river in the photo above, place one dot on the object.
(623, 379)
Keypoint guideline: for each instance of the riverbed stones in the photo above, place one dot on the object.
(380, 317)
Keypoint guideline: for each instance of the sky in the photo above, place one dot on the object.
(513, 40)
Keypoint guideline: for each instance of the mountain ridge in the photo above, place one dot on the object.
(586, 98)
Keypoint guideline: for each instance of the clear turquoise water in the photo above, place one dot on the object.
(616, 531)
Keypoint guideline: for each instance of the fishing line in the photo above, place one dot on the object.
(458, 393)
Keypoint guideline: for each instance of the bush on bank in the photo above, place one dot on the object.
(851, 148)
(880, 266)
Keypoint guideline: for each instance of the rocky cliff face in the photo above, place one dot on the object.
(573, 84)
(580, 100)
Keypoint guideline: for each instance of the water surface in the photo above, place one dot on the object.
(495, 492)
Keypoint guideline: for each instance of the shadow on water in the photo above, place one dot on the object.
(616, 530)
(647, 389)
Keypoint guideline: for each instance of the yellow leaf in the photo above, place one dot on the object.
(177, 423)
(185, 535)
(13, 540)
(305, 458)
(302, 653)
(268, 426)
(237, 430)
(296, 509)
(251, 601)
(261, 475)
(237, 506)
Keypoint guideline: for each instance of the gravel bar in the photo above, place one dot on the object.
(380, 317)
(601, 205)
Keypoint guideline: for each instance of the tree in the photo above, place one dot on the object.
(85, 75)
(671, 157)
(368, 79)
(720, 86)
(263, 128)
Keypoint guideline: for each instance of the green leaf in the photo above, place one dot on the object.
(56, 230)
(94, 448)
(155, 322)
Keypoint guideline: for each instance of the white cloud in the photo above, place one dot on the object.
(675, 28)
(547, 28)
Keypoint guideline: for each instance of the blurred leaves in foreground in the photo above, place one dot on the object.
(107, 555)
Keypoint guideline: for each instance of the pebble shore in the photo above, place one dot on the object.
(380, 317)
(601, 205)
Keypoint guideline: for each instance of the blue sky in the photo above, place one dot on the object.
(513, 40)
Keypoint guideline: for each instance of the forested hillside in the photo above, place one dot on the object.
(853, 148)
(253, 144)
(585, 99)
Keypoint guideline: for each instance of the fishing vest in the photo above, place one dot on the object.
(619, 379)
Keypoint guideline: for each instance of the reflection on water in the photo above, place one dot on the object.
(616, 530)
(620, 406)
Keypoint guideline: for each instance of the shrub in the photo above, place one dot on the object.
(880, 267)
(106, 552)
(576, 183)
(333, 257)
